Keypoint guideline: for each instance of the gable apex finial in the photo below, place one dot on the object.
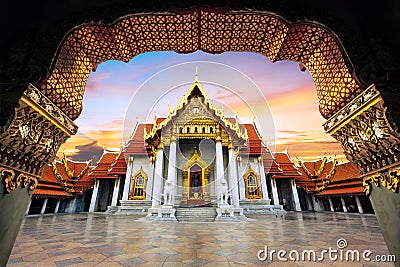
(197, 74)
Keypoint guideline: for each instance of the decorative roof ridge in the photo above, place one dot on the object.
(61, 181)
(326, 181)
(105, 151)
(258, 133)
(345, 162)
(184, 100)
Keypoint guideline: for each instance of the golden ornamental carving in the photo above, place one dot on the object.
(138, 187)
(190, 112)
(60, 179)
(204, 29)
(394, 179)
(390, 180)
(252, 184)
(326, 181)
(195, 159)
(34, 133)
(368, 136)
(12, 182)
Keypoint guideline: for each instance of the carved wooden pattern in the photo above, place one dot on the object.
(34, 135)
(86, 46)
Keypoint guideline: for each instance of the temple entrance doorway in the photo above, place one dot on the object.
(196, 183)
(196, 191)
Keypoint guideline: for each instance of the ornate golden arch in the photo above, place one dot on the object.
(252, 183)
(205, 172)
(138, 190)
(318, 49)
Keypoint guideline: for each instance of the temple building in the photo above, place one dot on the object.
(326, 185)
(197, 163)
(199, 151)
(65, 187)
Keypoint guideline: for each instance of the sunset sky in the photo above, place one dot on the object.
(282, 99)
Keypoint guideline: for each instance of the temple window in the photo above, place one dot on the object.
(180, 130)
(211, 130)
(204, 130)
(188, 129)
(252, 184)
(195, 129)
(138, 191)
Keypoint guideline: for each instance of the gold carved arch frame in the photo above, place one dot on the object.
(313, 45)
(205, 173)
(137, 193)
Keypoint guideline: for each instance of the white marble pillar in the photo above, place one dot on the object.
(57, 205)
(158, 177)
(315, 202)
(128, 179)
(172, 166)
(94, 196)
(343, 204)
(72, 207)
(220, 164)
(359, 206)
(295, 196)
(233, 178)
(29, 206)
(219, 160)
(242, 186)
(309, 203)
(114, 200)
(264, 188)
(44, 206)
(331, 204)
(274, 192)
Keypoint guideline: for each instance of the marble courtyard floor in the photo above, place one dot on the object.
(106, 240)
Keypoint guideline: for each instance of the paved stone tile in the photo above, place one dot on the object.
(15, 260)
(107, 240)
(132, 262)
(68, 262)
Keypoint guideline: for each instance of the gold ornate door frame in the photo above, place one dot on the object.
(205, 173)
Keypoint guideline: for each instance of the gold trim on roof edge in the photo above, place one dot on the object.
(156, 127)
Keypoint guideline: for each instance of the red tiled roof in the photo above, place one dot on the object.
(358, 190)
(346, 171)
(76, 168)
(289, 170)
(137, 145)
(100, 171)
(254, 144)
(345, 180)
(51, 193)
(50, 185)
(48, 175)
(270, 165)
(119, 165)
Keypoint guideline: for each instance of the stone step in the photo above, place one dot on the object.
(201, 214)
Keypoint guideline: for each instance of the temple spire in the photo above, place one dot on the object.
(197, 74)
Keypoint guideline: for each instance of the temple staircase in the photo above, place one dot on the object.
(129, 207)
(195, 214)
(259, 206)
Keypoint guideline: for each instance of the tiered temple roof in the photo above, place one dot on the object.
(328, 178)
(344, 182)
(103, 165)
(119, 165)
(64, 178)
(285, 163)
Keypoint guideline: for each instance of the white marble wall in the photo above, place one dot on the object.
(135, 163)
